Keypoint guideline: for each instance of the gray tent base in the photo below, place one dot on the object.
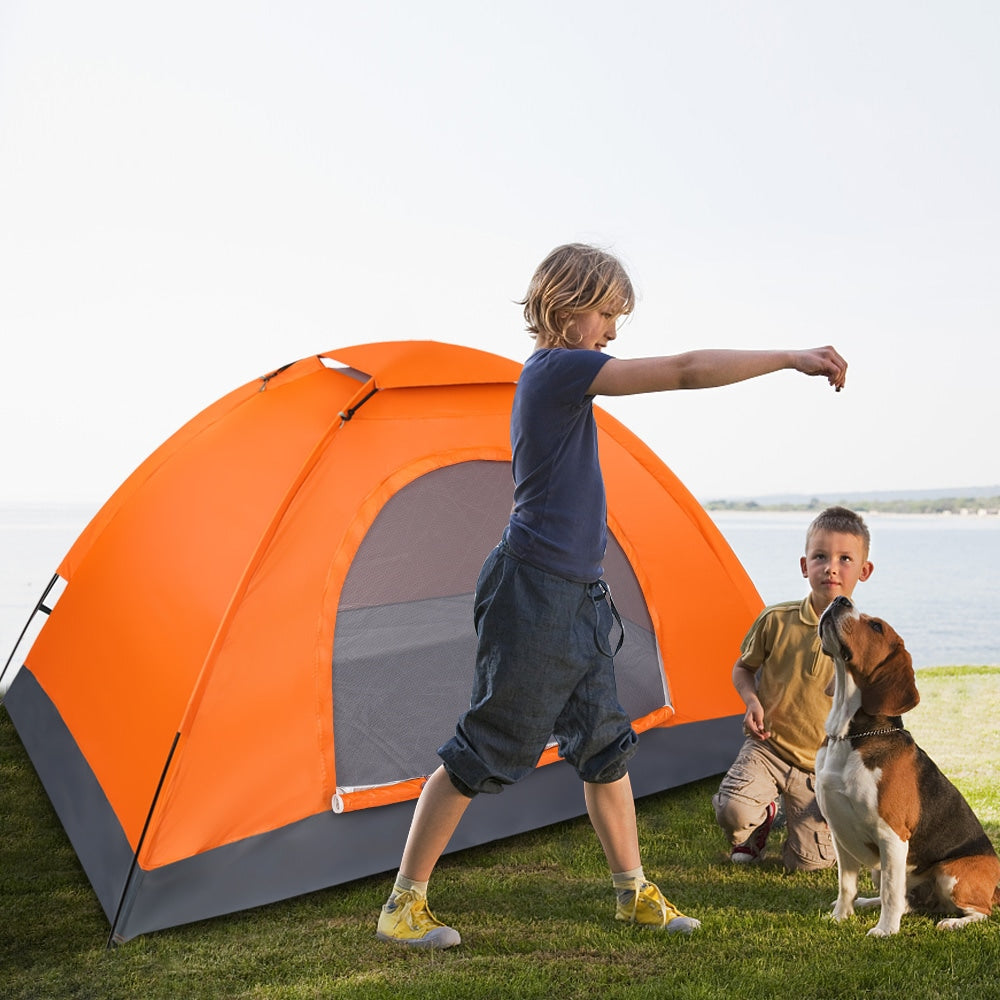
(322, 850)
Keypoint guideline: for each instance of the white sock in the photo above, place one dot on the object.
(624, 880)
(404, 884)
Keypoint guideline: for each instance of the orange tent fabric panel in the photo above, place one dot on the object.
(699, 596)
(152, 580)
(265, 715)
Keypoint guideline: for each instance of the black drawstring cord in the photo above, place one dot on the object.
(604, 593)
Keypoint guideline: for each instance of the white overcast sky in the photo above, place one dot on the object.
(194, 193)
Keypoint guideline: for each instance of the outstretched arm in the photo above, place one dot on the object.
(710, 368)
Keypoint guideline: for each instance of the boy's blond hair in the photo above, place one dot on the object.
(843, 522)
(574, 278)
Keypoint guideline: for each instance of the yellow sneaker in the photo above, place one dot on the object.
(406, 919)
(644, 904)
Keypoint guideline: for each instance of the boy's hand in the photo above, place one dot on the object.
(823, 361)
(745, 683)
(753, 722)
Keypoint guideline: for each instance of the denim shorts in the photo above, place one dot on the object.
(544, 670)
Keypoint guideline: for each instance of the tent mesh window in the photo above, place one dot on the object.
(405, 644)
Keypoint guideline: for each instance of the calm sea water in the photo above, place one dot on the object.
(936, 579)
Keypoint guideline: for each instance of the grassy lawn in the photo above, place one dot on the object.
(535, 911)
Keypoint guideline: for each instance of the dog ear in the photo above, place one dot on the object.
(891, 688)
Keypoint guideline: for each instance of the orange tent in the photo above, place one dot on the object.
(261, 639)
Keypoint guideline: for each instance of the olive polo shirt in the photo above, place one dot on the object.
(783, 649)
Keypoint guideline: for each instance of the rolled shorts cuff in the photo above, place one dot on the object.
(469, 772)
(612, 763)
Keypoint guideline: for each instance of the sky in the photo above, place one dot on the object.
(195, 193)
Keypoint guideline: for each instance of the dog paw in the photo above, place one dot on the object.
(879, 931)
(954, 923)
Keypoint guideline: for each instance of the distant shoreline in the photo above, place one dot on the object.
(970, 501)
(959, 506)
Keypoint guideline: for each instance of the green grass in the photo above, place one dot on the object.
(534, 911)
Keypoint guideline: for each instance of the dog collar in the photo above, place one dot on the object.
(858, 736)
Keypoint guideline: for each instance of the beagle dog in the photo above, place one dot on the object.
(888, 806)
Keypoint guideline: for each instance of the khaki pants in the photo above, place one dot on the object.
(757, 777)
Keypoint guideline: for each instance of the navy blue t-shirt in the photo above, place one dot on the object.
(559, 520)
